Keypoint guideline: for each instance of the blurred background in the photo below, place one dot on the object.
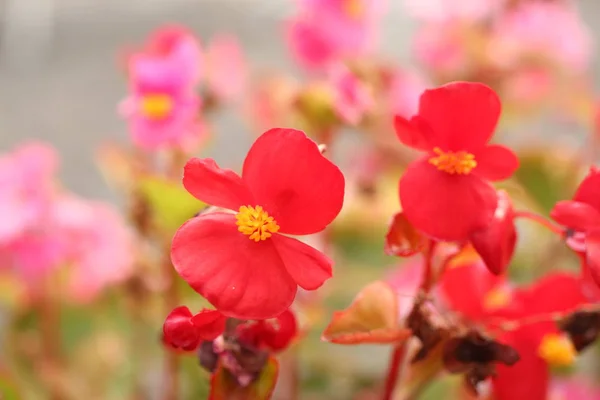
(60, 82)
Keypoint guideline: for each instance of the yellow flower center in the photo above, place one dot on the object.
(459, 162)
(354, 8)
(496, 298)
(255, 223)
(557, 350)
(156, 106)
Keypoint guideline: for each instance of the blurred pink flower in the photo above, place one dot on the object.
(98, 246)
(329, 30)
(162, 109)
(404, 91)
(225, 68)
(406, 280)
(445, 10)
(352, 99)
(545, 29)
(441, 48)
(573, 388)
(26, 186)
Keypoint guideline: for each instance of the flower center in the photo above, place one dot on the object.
(255, 223)
(353, 8)
(459, 162)
(557, 350)
(497, 298)
(156, 106)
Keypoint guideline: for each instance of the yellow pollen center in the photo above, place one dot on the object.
(557, 350)
(255, 223)
(354, 8)
(156, 106)
(496, 298)
(459, 162)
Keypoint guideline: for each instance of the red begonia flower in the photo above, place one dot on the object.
(496, 243)
(274, 335)
(242, 263)
(183, 330)
(582, 215)
(445, 194)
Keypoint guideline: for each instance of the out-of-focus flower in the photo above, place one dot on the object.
(352, 99)
(225, 68)
(441, 49)
(496, 243)
(162, 108)
(403, 91)
(445, 10)
(573, 388)
(546, 30)
(445, 194)
(329, 30)
(287, 186)
(582, 216)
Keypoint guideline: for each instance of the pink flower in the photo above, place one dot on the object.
(549, 29)
(327, 30)
(226, 68)
(162, 108)
(97, 245)
(573, 388)
(352, 99)
(404, 91)
(444, 10)
(440, 48)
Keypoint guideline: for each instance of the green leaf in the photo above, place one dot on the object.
(224, 385)
(170, 203)
(8, 388)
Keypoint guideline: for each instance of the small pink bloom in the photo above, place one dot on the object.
(163, 106)
(226, 68)
(352, 99)
(440, 48)
(573, 388)
(445, 10)
(549, 29)
(404, 91)
(327, 30)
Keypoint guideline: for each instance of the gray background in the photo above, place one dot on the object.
(59, 81)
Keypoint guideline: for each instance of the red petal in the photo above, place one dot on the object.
(210, 323)
(287, 329)
(411, 133)
(241, 278)
(307, 266)
(403, 239)
(528, 378)
(496, 243)
(557, 292)
(592, 254)
(219, 187)
(576, 215)
(178, 330)
(476, 277)
(444, 206)
(462, 115)
(589, 190)
(293, 181)
(496, 163)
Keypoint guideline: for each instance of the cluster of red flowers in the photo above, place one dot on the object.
(237, 255)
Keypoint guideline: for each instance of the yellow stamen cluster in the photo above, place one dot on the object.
(354, 8)
(156, 106)
(255, 223)
(451, 162)
(557, 350)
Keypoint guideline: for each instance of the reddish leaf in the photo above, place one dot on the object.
(371, 318)
(403, 239)
(225, 386)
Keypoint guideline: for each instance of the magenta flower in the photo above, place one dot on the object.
(352, 99)
(162, 108)
(327, 30)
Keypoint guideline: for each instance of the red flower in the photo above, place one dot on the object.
(445, 194)
(273, 335)
(582, 215)
(496, 243)
(185, 331)
(539, 344)
(241, 262)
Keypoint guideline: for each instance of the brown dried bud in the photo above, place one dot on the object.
(583, 328)
(419, 321)
(476, 355)
(207, 356)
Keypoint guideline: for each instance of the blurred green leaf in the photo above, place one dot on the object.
(225, 385)
(170, 203)
(8, 388)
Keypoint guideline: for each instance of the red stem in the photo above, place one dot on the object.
(428, 272)
(552, 227)
(394, 371)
